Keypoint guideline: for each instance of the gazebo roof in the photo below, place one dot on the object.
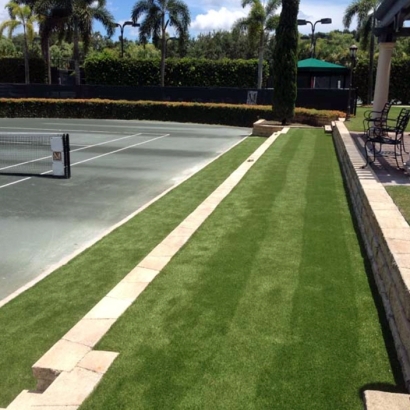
(313, 64)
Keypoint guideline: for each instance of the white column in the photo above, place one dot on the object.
(381, 90)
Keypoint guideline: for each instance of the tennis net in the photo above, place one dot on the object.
(35, 154)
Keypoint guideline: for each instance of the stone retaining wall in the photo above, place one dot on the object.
(386, 236)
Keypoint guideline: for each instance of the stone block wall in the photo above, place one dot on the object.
(386, 236)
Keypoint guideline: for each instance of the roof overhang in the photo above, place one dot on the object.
(390, 16)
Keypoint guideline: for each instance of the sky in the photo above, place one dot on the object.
(210, 15)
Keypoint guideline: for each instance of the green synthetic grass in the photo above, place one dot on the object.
(401, 197)
(356, 123)
(34, 321)
(270, 305)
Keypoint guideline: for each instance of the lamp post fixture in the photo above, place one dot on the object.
(352, 53)
(121, 26)
(313, 25)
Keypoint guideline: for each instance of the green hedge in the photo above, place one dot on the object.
(12, 70)
(106, 70)
(226, 114)
(399, 79)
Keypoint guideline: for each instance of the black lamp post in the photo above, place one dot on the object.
(352, 53)
(313, 25)
(121, 26)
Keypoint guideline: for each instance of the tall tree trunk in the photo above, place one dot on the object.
(260, 60)
(76, 54)
(48, 61)
(26, 59)
(163, 51)
(45, 49)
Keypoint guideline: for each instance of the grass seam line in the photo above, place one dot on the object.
(63, 360)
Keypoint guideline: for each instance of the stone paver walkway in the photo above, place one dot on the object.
(385, 165)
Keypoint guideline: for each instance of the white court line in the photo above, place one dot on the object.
(98, 156)
(15, 182)
(54, 130)
(105, 126)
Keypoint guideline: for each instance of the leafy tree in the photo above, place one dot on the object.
(21, 15)
(285, 62)
(73, 20)
(364, 11)
(159, 15)
(221, 44)
(7, 48)
(260, 21)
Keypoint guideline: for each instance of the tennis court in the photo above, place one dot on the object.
(117, 166)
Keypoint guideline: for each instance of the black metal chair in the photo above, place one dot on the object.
(387, 135)
(376, 118)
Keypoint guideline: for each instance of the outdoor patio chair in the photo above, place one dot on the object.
(376, 118)
(387, 135)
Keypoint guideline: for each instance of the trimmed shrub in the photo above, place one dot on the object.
(224, 114)
(107, 70)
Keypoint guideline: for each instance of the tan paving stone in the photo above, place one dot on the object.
(24, 401)
(399, 246)
(127, 290)
(108, 308)
(384, 205)
(403, 260)
(70, 389)
(89, 331)
(169, 246)
(98, 361)
(193, 222)
(377, 195)
(400, 233)
(182, 231)
(141, 275)
(154, 262)
(377, 400)
(212, 202)
(63, 356)
(390, 219)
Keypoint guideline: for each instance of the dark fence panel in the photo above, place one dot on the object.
(326, 99)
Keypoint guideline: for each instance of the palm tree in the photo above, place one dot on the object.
(21, 15)
(364, 10)
(260, 21)
(159, 15)
(73, 21)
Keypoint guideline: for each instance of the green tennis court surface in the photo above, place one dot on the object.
(117, 166)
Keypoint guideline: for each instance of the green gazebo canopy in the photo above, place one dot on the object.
(313, 64)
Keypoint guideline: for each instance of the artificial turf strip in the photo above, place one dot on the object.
(34, 321)
(268, 306)
(401, 197)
